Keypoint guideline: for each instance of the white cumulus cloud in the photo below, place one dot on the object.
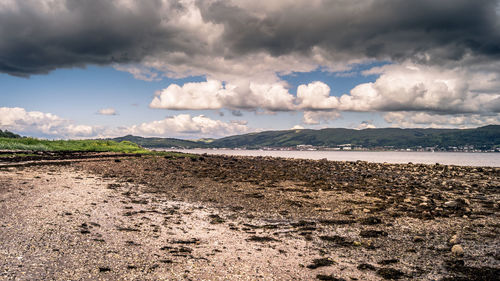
(429, 120)
(410, 87)
(318, 117)
(187, 125)
(107, 111)
(39, 123)
(214, 94)
(316, 96)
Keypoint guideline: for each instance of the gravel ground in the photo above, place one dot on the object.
(227, 218)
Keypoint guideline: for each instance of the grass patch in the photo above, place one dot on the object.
(32, 144)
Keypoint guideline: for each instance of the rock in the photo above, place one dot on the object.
(104, 269)
(255, 238)
(390, 273)
(457, 204)
(451, 204)
(407, 200)
(339, 240)
(216, 219)
(389, 261)
(366, 266)
(328, 278)
(371, 221)
(454, 240)
(372, 233)
(320, 262)
(457, 250)
(356, 243)
(366, 211)
(417, 239)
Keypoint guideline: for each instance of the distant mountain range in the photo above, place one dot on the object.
(487, 137)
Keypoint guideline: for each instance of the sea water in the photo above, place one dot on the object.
(447, 158)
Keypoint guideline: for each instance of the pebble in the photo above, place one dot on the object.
(457, 250)
(418, 239)
(450, 204)
(454, 240)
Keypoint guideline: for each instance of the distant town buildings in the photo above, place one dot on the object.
(352, 147)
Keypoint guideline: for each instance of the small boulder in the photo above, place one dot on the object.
(457, 250)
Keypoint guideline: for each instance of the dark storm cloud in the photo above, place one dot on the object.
(33, 40)
(383, 29)
(84, 32)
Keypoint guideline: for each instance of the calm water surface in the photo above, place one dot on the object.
(448, 158)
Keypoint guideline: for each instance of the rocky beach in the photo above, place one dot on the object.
(123, 217)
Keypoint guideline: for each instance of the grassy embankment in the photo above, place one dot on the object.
(27, 145)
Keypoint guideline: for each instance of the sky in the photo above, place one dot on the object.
(201, 69)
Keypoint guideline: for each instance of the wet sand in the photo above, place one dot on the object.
(243, 218)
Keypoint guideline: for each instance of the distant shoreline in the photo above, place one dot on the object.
(479, 159)
(321, 150)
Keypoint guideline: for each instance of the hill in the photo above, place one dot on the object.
(7, 134)
(485, 138)
(162, 142)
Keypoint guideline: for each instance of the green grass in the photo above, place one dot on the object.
(32, 144)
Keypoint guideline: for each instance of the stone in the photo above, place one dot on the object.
(390, 273)
(450, 204)
(418, 239)
(328, 278)
(320, 263)
(366, 266)
(372, 233)
(457, 250)
(454, 240)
